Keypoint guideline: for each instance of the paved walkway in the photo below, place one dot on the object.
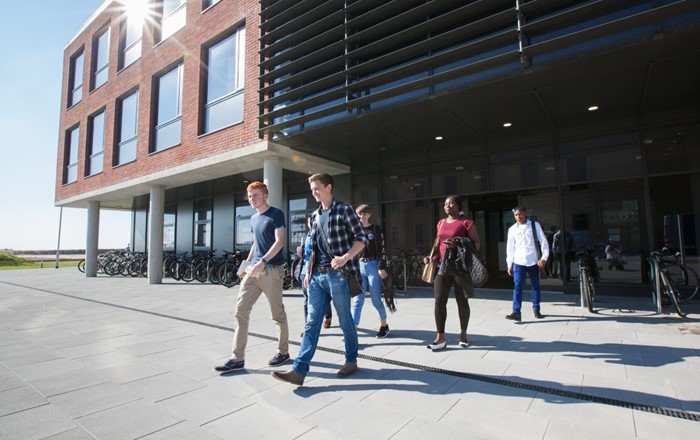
(115, 358)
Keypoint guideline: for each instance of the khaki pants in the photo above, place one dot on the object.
(251, 288)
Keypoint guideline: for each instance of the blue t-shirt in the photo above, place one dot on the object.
(306, 252)
(323, 255)
(263, 227)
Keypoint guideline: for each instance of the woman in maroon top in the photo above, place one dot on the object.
(455, 225)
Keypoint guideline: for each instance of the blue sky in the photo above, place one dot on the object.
(30, 93)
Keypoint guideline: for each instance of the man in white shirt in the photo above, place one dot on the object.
(521, 257)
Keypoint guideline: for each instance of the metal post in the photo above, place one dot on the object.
(58, 245)
(657, 282)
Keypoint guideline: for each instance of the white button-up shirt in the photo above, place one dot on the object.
(520, 247)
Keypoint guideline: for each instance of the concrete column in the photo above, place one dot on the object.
(93, 234)
(272, 177)
(155, 235)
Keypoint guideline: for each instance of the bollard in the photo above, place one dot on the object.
(42, 264)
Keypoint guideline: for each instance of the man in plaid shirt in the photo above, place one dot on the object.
(338, 237)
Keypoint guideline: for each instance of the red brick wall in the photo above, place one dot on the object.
(188, 45)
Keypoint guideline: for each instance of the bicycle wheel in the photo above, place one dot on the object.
(689, 287)
(201, 273)
(81, 265)
(583, 286)
(668, 290)
(228, 275)
(213, 275)
(590, 291)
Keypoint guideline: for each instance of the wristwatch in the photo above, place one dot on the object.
(264, 260)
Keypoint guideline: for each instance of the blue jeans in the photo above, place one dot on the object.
(370, 277)
(324, 288)
(329, 312)
(519, 273)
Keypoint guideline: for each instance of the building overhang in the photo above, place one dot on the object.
(249, 158)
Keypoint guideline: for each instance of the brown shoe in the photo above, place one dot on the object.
(326, 323)
(347, 370)
(290, 376)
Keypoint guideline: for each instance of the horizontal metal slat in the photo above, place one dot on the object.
(480, 46)
(458, 72)
(300, 64)
(302, 119)
(307, 103)
(310, 75)
(303, 90)
(298, 22)
(307, 49)
(306, 35)
(631, 22)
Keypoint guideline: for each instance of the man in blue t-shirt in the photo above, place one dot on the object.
(264, 275)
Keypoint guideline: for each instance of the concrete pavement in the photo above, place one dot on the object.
(116, 358)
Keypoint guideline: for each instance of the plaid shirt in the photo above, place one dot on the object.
(344, 229)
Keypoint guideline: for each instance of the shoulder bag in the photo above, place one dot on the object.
(430, 269)
(544, 271)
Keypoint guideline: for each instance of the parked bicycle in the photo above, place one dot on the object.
(587, 273)
(672, 282)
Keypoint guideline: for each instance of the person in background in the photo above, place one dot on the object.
(373, 270)
(449, 230)
(304, 252)
(521, 257)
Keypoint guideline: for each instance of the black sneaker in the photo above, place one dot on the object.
(279, 359)
(538, 315)
(230, 365)
(513, 316)
(383, 332)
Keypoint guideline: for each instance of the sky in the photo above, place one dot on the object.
(31, 68)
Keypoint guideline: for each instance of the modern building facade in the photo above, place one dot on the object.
(585, 112)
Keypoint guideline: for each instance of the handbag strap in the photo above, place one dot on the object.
(437, 242)
(323, 233)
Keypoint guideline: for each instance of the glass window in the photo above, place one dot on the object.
(244, 232)
(210, 3)
(169, 221)
(523, 168)
(128, 126)
(174, 17)
(609, 212)
(672, 149)
(130, 41)
(96, 144)
(169, 116)
(202, 224)
(603, 158)
(464, 175)
(70, 172)
(75, 90)
(101, 59)
(224, 102)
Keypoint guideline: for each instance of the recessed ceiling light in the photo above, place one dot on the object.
(592, 108)
(477, 177)
(638, 157)
(549, 168)
(438, 138)
(648, 141)
(393, 177)
(382, 148)
(507, 124)
(459, 168)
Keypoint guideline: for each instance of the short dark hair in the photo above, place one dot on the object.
(325, 178)
(519, 208)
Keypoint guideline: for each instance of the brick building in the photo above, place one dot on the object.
(587, 112)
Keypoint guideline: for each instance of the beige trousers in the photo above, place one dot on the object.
(251, 288)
